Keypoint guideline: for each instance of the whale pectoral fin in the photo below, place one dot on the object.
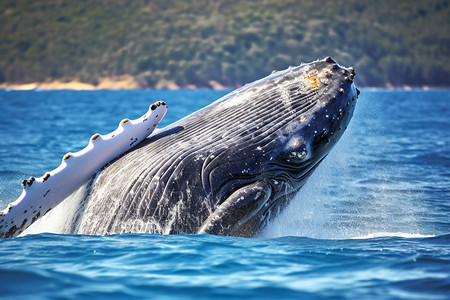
(41, 195)
(236, 210)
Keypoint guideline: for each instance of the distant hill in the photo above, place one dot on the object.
(204, 43)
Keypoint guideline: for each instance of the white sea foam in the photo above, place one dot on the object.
(61, 218)
(354, 193)
(393, 234)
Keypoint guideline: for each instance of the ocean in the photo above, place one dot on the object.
(373, 221)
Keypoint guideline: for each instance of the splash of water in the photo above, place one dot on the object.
(62, 218)
(355, 192)
(334, 205)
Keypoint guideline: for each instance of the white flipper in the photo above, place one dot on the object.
(40, 195)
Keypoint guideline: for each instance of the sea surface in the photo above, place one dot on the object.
(373, 222)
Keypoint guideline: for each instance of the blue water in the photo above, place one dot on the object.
(372, 222)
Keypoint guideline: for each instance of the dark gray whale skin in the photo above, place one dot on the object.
(230, 167)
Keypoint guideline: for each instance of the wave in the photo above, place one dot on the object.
(393, 234)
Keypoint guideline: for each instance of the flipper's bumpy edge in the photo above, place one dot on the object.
(41, 194)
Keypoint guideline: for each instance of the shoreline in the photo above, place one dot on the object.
(117, 83)
(127, 82)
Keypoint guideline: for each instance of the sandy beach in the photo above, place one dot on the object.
(124, 82)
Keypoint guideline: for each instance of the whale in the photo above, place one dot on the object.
(226, 169)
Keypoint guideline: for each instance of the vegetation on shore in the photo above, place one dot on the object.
(204, 43)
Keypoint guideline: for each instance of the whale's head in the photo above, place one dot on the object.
(229, 167)
(294, 118)
(320, 100)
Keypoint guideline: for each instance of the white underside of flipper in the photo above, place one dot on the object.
(40, 195)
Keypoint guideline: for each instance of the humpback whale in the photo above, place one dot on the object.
(227, 169)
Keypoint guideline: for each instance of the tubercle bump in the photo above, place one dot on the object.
(95, 136)
(28, 182)
(124, 121)
(46, 176)
(157, 104)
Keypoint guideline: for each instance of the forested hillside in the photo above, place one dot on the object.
(398, 43)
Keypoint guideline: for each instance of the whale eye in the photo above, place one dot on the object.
(297, 155)
(295, 151)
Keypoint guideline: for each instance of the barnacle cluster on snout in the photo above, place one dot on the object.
(339, 100)
(328, 98)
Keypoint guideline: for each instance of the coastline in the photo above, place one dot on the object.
(125, 82)
(114, 83)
